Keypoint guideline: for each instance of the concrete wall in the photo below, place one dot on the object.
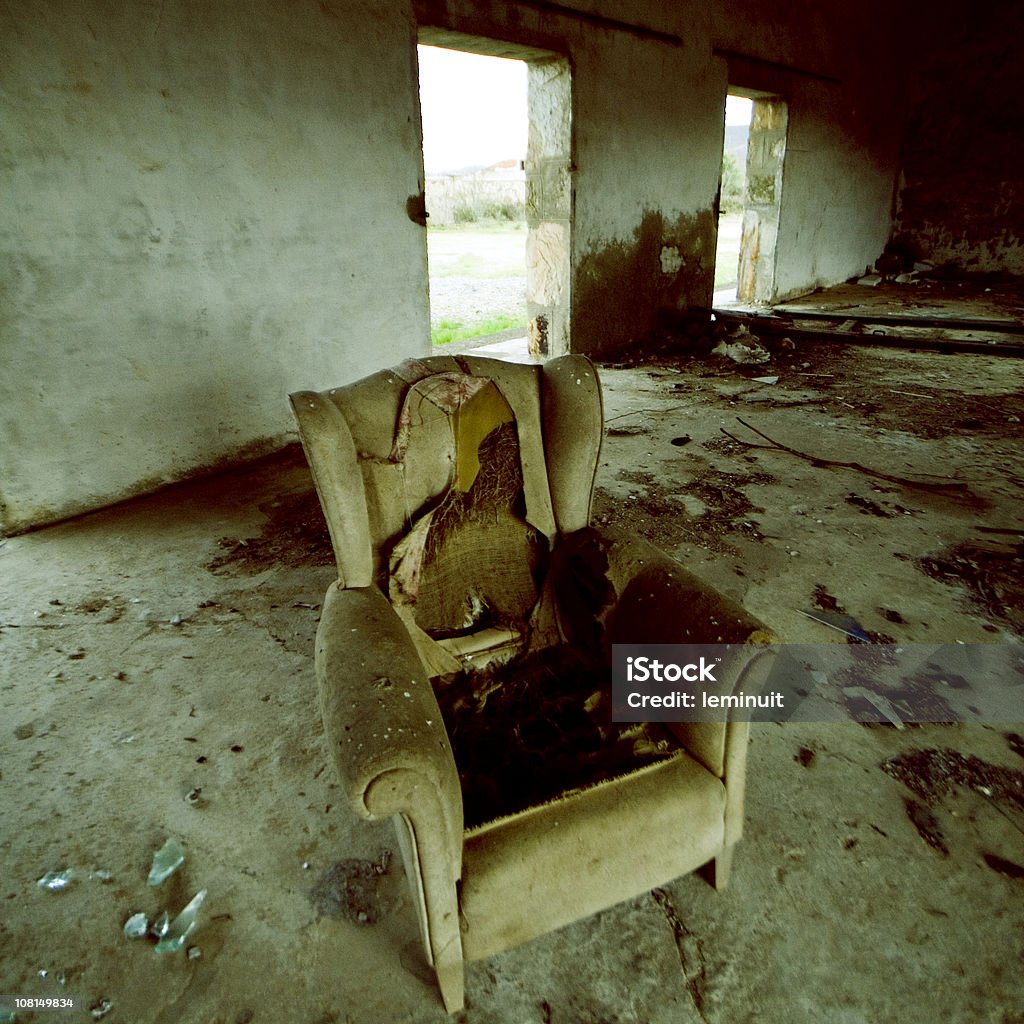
(204, 207)
(961, 200)
(207, 205)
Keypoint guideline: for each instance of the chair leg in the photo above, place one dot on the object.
(720, 868)
(450, 980)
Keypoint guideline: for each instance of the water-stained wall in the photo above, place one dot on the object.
(961, 200)
(204, 208)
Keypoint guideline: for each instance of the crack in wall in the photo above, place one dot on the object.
(691, 955)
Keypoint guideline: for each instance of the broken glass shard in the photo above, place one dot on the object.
(100, 1009)
(160, 925)
(166, 861)
(136, 926)
(55, 881)
(182, 926)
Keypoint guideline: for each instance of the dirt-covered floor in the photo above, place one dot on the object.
(156, 681)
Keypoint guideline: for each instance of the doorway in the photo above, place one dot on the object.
(496, 152)
(746, 255)
(732, 197)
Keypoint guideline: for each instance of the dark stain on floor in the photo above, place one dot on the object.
(295, 534)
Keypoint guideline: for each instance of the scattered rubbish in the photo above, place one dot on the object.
(166, 861)
(77, 655)
(176, 620)
(867, 507)
(160, 925)
(56, 881)
(932, 773)
(825, 601)
(765, 380)
(354, 889)
(881, 704)
(101, 1008)
(910, 278)
(992, 572)
(943, 487)
(1003, 866)
(194, 796)
(193, 952)
(745, 349)
(628, 431)
(871, 281)
(805, 756)
(891, 615)
(182, 926)
(136, 926)
(102, 875)
(844, 623)
(237, 748)
(681, 440)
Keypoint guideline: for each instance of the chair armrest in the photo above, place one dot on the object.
(381, 718)
(390, 746)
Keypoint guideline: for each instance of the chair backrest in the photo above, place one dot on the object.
(416, 464)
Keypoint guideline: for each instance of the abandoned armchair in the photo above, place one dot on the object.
(463, 655)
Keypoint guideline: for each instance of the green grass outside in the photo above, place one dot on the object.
(448, 331)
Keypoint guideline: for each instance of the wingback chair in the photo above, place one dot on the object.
(457, 492)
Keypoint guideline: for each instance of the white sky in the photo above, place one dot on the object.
(738, 110)
(474, 109)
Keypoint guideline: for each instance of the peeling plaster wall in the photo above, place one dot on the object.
(204, 208)
(961, 200)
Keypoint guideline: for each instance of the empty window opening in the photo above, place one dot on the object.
(750, 278)
(496, 141)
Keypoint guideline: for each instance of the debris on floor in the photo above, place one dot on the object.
(743, 348)
(174, 936)
(136, 926)
(295, 534)
(358, 890)
(56, 881)
(993, 575)
(932, 773)
(166, 861)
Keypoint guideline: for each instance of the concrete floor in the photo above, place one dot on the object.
(157, 680)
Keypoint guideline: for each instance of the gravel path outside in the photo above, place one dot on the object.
(469, 300)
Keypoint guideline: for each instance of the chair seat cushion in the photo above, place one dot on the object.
(536, 727)
(538, 870)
